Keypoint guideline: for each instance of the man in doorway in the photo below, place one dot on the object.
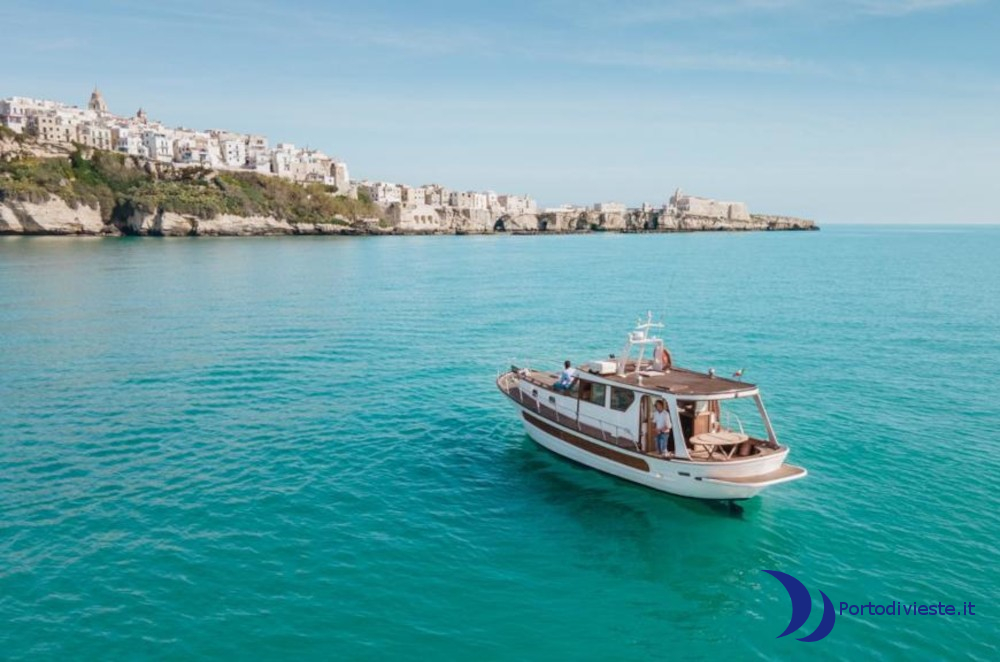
(566, 378)
(661, 424)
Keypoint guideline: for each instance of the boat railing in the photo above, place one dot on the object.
(570, 417)
(727, 421)
(616, 431)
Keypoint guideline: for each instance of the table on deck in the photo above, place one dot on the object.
(710, 441)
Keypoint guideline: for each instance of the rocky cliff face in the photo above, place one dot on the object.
(56, 217)
(658, 221)
(51, 217)
(784, 222)
(134, 188)
(170, 224)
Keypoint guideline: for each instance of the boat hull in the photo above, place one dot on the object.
(739, 479)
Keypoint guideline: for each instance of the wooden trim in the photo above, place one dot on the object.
(589, 446)
(644, 431)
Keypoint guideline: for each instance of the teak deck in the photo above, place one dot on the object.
(679, 382)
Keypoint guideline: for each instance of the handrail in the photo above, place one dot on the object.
(573, 418)
(616, 430)
(728, 425)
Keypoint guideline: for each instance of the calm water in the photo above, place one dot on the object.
(294, 447)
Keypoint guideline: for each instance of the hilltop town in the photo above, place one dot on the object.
(222, 182)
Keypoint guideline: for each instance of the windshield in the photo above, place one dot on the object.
(739, 415)
(742, 415)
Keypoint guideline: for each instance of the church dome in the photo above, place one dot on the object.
(97, 102)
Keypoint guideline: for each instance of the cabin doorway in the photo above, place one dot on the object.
(647, 429)
(646, 424)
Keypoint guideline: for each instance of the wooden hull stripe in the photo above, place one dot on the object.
(589, 446)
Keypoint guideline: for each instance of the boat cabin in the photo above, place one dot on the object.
(713, 419)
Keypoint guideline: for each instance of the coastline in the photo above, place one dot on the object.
(57, 217)
(49, 190)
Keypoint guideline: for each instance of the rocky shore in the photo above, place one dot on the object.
(57, 217)
(44, 191)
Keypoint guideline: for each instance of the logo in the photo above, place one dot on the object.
(802, 606)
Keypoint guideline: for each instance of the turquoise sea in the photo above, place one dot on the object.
(293, 447)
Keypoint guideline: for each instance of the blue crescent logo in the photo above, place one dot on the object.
(802, 606)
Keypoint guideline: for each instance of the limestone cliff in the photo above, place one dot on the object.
(636, 220)
(171, 224)
(57, 217)
(45, 189)
(53, 216)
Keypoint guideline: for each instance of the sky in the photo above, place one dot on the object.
(863, 111)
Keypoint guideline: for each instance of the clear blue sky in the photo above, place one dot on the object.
(839, 110)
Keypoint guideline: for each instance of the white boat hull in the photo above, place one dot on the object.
(736, 479)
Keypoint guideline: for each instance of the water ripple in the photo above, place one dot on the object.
(294, 447)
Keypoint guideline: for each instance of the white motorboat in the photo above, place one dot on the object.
(721, 444)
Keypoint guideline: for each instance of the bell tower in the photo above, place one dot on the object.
(97, 102)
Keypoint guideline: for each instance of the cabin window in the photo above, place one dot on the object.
(621, 398)
(592, 392)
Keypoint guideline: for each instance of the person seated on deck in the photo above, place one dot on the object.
(661, 424)
(566, 378)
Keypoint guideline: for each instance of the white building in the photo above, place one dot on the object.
(196, 148)
(382, 193)
(564, 209)
(14, 113)
(158, 146)
(610, 207)
(467, 200)
(127, 141)
(436, 195)
(94, 135)
(51, 127)
(310, 165)
(415, 218)
(281, 159)
(412, 195)
(233, 152)
(341, 177)
(258, 156)
(517, 204)
(689, 205)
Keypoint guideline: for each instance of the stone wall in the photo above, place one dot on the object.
(415, 218)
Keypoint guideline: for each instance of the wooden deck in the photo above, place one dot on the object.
(680, 382)
(782, 472)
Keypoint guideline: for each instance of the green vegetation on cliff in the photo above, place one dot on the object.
(117, 185)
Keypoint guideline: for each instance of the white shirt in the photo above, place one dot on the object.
(661, 419)
(567, 376)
